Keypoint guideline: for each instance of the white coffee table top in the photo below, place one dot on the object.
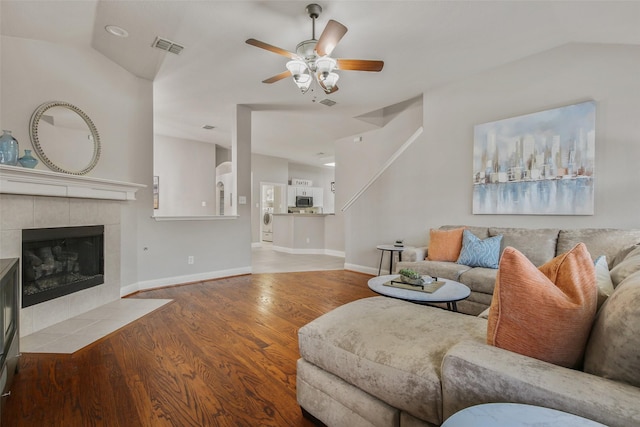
(451, 291)
(515, 415)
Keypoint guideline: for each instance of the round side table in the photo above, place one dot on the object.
(391, 249)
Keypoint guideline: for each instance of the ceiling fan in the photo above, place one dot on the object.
(312, 57)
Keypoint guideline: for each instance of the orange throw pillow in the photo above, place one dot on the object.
(545, 312)
(445, 245)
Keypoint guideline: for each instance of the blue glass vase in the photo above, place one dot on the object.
(28, 161)
(8, 149)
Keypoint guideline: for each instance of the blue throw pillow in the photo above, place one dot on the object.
(480, 253)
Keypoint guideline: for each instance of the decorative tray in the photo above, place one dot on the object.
(425, 287)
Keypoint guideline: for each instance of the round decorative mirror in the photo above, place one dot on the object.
(65, 138)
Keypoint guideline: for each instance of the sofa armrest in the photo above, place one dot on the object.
(474, 373)
(411, 254)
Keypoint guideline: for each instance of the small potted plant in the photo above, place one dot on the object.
(411, 277)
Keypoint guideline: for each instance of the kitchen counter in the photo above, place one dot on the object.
(299, 233)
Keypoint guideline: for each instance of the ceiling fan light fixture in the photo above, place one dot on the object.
(325, 66)
(329, 81)
(307, 50)
(304, 82)
(311, 61)
(297, 68)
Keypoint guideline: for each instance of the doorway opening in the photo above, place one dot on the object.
(273, 200)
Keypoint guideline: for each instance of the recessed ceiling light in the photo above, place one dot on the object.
(116, 31)
(332, 164)
(208, 127)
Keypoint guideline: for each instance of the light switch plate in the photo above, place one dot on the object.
(242, 200)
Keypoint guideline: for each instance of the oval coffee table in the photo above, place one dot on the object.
(515, 415)
(450, 293)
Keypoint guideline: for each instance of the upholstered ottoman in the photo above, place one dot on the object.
(377, 360)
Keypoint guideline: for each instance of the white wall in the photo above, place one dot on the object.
(431, 184)
(220, 247)
(328, 176)
(35, 72)
(222, 155)
(365, 223)
(187, 176)
(302, 171)
(121, 106)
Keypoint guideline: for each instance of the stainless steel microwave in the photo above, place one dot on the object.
(304, 202)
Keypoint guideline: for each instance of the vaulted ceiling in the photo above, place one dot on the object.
(424, 44)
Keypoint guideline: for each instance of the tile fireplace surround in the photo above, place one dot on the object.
(31, 210)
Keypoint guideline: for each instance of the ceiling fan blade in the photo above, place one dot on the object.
(332, 34)
(359, 64)
(271, 48)
(278, 77)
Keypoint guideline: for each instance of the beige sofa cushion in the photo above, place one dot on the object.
(479, 232)
(622, 255)
(544, 313)
(480, 279)
(539, 245)
(629, 265)
(390, 349)
(447, 270)
(613, 348)
(473, 374)
(599, 241)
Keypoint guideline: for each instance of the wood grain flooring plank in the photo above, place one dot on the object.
(223, 353)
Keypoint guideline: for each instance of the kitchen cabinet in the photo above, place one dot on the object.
(291, 195)
(318, 196)
(316, 192)
(304, 191)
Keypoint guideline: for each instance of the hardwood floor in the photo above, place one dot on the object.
(223, 353)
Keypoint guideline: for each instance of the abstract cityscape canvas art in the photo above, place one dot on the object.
(536, 164)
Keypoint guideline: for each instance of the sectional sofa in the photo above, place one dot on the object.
(385, 362)
(539, 245)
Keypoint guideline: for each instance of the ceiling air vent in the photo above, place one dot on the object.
(328, 102)
(167, 45)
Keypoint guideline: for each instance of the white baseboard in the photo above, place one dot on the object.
(298, 251)
(331, 252)
(177, 280)
(362, 269)
(301, 251)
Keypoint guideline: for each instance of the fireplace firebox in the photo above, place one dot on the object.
(60, 261)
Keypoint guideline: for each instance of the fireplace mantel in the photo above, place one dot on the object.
(19, 180)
